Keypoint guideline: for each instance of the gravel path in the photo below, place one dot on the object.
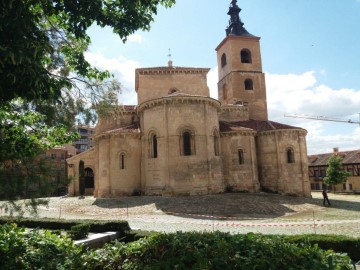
(234, 213)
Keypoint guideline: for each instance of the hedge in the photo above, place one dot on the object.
(62, 224)
(338, 243)
(37, 249)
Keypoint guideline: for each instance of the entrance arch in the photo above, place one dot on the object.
(89, 178)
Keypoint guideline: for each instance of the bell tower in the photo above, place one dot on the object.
(241, 80)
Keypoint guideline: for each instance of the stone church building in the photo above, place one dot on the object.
(179, 141)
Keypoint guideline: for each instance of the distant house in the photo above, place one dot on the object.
(85, 142)
(351, 163)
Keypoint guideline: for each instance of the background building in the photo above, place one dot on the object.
(86, 141)
(351, 163)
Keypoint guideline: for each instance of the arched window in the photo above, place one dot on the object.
(223, 60)
(187, 143)
(173, 90)
(249, 84)
(246, 56)
(122, 161)
(216, 143)
(290, 155)
(153, 146)
(224, 92)
(241, 156)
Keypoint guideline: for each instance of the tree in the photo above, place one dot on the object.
(42, 62)
(334, 173)
(24, 138)
(42, 43)
(81, 178)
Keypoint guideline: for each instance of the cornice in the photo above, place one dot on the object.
(237, 133)
(284, 131)
(178, 99)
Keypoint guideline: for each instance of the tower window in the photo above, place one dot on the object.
(249, 84)
(241, 156)
(290, 155)
(246, 56)
(223, 60)
(153, 146)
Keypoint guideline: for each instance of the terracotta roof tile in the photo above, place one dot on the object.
(134, 128)
(256, 125)
(349, 157)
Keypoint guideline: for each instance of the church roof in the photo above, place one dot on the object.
(129, 108)
(256, 125)
(133, 128)
(349, 157)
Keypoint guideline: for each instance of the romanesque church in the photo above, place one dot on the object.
(179, 141)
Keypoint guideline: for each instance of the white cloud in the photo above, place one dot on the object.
(212, 79)
(136, 38)
(123, 69)
(300, 94)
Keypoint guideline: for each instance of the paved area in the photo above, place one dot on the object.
(234, 213)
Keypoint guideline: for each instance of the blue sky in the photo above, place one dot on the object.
(310, 54)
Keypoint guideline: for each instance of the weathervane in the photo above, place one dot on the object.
(170, 61)
(169, 55)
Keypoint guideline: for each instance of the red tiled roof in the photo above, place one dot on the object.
(349, 157)
(134, 128)
(129, 107)
(256, 125)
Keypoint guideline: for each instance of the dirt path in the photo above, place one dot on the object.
(237, 213)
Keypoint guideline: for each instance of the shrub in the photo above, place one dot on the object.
(338, 243)
(79, 231)
(35, 249)
(62, 224)
(212, 251)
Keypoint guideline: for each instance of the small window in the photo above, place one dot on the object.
(249, 84)
(246, 56)
(241, 156)
(223, 60)
(122, 161)
(290, 156)
(224, 92)
(173, 90)
(216, 144)
(187, 143)
(153, 146)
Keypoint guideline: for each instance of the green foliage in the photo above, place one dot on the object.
(25, 172)
(34, 249)
(66, 224)
(43, 41)
(42, 46)
(24, 133)
(213, 251)
(81, 178)
(338, 243)
(79, 231)
(334, 173)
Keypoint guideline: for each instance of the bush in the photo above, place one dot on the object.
(212, 251)
(79, 231)
(62, 224)
(338, 243)
(35, 249)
